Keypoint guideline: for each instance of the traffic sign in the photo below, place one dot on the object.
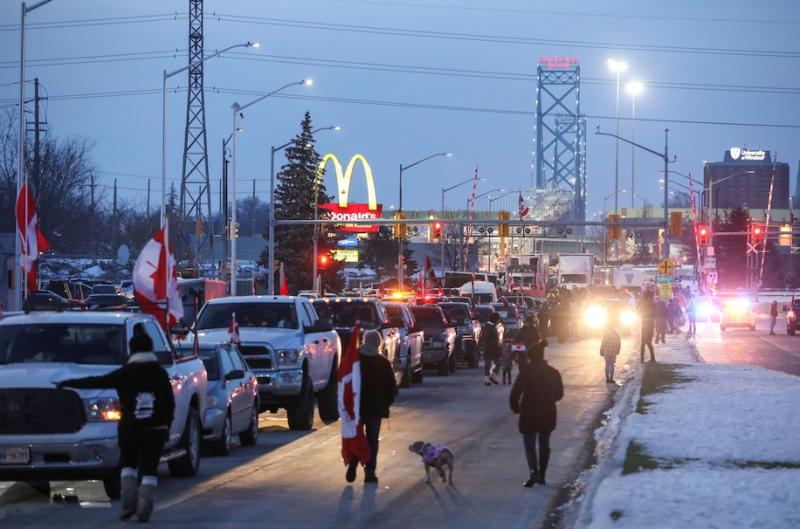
(664, 279)
(665, 290)
(666, 267)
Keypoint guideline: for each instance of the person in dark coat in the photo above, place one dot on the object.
(544, 319)
(147, 407)
(492, 349)
(529, 335)
(647, 315)
(675, 314)
(662, 321)
(533, 396)
(378, 390)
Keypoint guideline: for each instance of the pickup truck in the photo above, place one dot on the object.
(293, 353)
(408, 363)
(49, 434)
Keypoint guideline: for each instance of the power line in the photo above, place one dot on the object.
(105, 21)
(92, 59)
(449, 35)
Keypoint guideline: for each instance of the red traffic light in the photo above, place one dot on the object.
(703, 231)
(323, 260)
(703, 235)
(437, 226)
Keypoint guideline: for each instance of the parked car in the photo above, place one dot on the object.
(293, 352)
(45, 300)
(468, 331)
(49, 434)
(232, 399)
(370, 313)
(74, 292)
(106, 302)
(408, 365)
(439, 346)
(792, 314)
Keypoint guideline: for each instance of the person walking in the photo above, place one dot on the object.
(147, 409)
(773, 316)
(492, 348)
(533, 396)
(675, 314)
(691, 315)
(647, 316)
(528, 335)
(610, 346)
(662, 315)
(378, 390)
(507, 364)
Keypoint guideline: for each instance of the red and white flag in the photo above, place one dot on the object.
(32, 242)
(523, 207)
(354, 442)
(233, 329)
(155, 280)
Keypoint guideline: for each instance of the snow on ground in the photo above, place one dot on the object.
(699, 498)
(726, 413)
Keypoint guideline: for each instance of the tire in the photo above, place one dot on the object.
(189, 463)
(249, 437)
(112, 486)
(443, 369)
(222, 447)
(406, 378)
(328, 398)
(43, 487)
(301, 414)
(471, 356)
(451, 363)
(418, 376)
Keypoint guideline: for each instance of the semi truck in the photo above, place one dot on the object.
(575, 270)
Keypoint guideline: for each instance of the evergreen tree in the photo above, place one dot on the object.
(294, 200)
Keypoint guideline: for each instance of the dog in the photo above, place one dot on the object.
(436, 456)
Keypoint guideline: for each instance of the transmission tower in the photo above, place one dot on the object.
(195, 190)
(560, 131)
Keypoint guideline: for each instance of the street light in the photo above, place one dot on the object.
(164, 78)
(617, 66)
(712, 183)
(400, 210)
(22, 176)
(237, 114)
(445, 190)
(634, 88)
(271, 229)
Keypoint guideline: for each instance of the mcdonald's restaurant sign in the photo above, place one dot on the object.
(344, 210)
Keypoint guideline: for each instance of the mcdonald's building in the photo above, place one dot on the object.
(344, 210)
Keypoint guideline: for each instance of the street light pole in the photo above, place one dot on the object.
(400, 274)
(634, 88)
(617, 66)
(442, 238)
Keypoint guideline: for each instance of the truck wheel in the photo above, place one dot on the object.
(249, 437)
(112, 486)
(451, 363)
(43, 487)
(301, 414)
(223, 446)
(406, 379)
(328, 398)
(418, 376)
(189, 463)
(443, 369)
(471, 356)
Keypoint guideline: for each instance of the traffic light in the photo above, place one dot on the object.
(675, 224)
(503, 229)
(757, 233)
(398, 230)
(703, 235)
(614, 231)
(324, 260)
(436, 231)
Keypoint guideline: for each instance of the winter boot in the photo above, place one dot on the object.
(350, 475)
(147, 496)
(128, 486)
(369, 476)
(487, 380)
(544, 458)
(533, 479)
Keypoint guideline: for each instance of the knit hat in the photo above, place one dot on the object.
(372, 343)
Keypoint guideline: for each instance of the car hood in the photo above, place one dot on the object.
(277, 338)
(45, 375)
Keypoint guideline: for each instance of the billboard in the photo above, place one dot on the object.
(343, 210)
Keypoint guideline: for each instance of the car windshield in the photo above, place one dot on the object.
(210, 360)
(457, 313)
(347, 314)
(428, 316)
(66, 342)
(393, 311)
(259, 315)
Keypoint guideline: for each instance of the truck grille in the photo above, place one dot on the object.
(256, 356)
(39, 411)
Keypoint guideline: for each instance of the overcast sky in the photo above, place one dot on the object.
(495, 134)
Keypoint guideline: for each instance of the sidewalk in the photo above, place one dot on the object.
(694, 445)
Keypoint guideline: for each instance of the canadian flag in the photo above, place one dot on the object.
(354, 442)
(155, 280)
(32, 242)
(523, 207)
(233, 329)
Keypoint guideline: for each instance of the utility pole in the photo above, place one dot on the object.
(224, 209)
(147, 208)
(93, 230)
(253, 212)
(114, 221)
(37, 157)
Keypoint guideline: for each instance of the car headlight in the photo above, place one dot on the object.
(102, 410)
(287, 357)
(627, 318)
(595, 317)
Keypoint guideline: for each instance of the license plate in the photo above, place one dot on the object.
(15, 455)
(518, 347)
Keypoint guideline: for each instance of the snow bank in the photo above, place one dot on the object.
(699, 498)
(726, 413)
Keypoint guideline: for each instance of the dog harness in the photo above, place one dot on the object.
(431, 453)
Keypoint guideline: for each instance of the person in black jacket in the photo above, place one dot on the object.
(529, 335)
(147, 409)
(647, 314)
(378, 390)
(492, 349)
(533, 396)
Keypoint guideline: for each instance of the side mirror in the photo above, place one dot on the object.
(164, 357)
(180, 329)
(236, 374)
(322, 325)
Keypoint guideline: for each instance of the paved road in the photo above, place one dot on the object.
(780, 352)
(297, 480)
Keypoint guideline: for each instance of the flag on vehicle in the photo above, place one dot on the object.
(233, 330)
(354, 442)
(523, 207)
(32, 241)
(429, 273)
(284, 285)
(155, 280)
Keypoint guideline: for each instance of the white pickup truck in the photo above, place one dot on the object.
(293, 353)
(49, 434)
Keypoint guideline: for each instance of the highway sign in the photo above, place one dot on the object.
(664, 279)
(666, 267)
(665, 290)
